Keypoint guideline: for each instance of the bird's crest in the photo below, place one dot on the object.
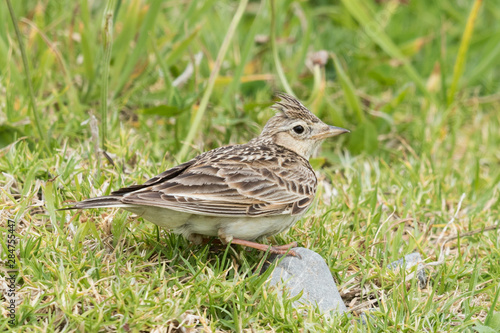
(290, 107)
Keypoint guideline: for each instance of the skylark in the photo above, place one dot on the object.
(238, 193)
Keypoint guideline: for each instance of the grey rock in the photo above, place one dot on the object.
(308, 274)
(408, 262)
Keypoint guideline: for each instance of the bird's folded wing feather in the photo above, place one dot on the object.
(232, 187)
(170, 173)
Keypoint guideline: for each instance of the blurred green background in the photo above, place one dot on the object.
(393, 73)
(154, 83)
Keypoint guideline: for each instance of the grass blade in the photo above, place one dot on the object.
(147, 25)
(36, 120)
(350, 94)
(245, 54)
(488, 61)
(108, 44)
(180, 47)
(50, 204)
(462, 51)
(277, 62)
(491, 313)
(376, 33)
(170, 90)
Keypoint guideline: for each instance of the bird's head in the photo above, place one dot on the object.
(296, 128)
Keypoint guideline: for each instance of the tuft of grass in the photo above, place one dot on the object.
(415, 174)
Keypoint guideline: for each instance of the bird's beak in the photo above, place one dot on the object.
(331, 131)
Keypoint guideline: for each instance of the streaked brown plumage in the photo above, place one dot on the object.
(239, 193)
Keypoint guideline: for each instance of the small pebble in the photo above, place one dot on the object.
(408, 262)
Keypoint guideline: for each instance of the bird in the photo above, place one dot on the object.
(239, 193)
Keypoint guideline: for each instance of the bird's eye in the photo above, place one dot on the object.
(298, 129)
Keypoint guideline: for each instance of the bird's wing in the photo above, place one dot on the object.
(162, 177)
(234, 182)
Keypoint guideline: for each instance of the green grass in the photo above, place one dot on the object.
(416, 84)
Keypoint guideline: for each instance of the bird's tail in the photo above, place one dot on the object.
(99, 202)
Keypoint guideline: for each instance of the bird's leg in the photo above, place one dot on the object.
(286, 246)
(283, 249)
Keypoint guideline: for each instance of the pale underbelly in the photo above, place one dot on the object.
(247, 228)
